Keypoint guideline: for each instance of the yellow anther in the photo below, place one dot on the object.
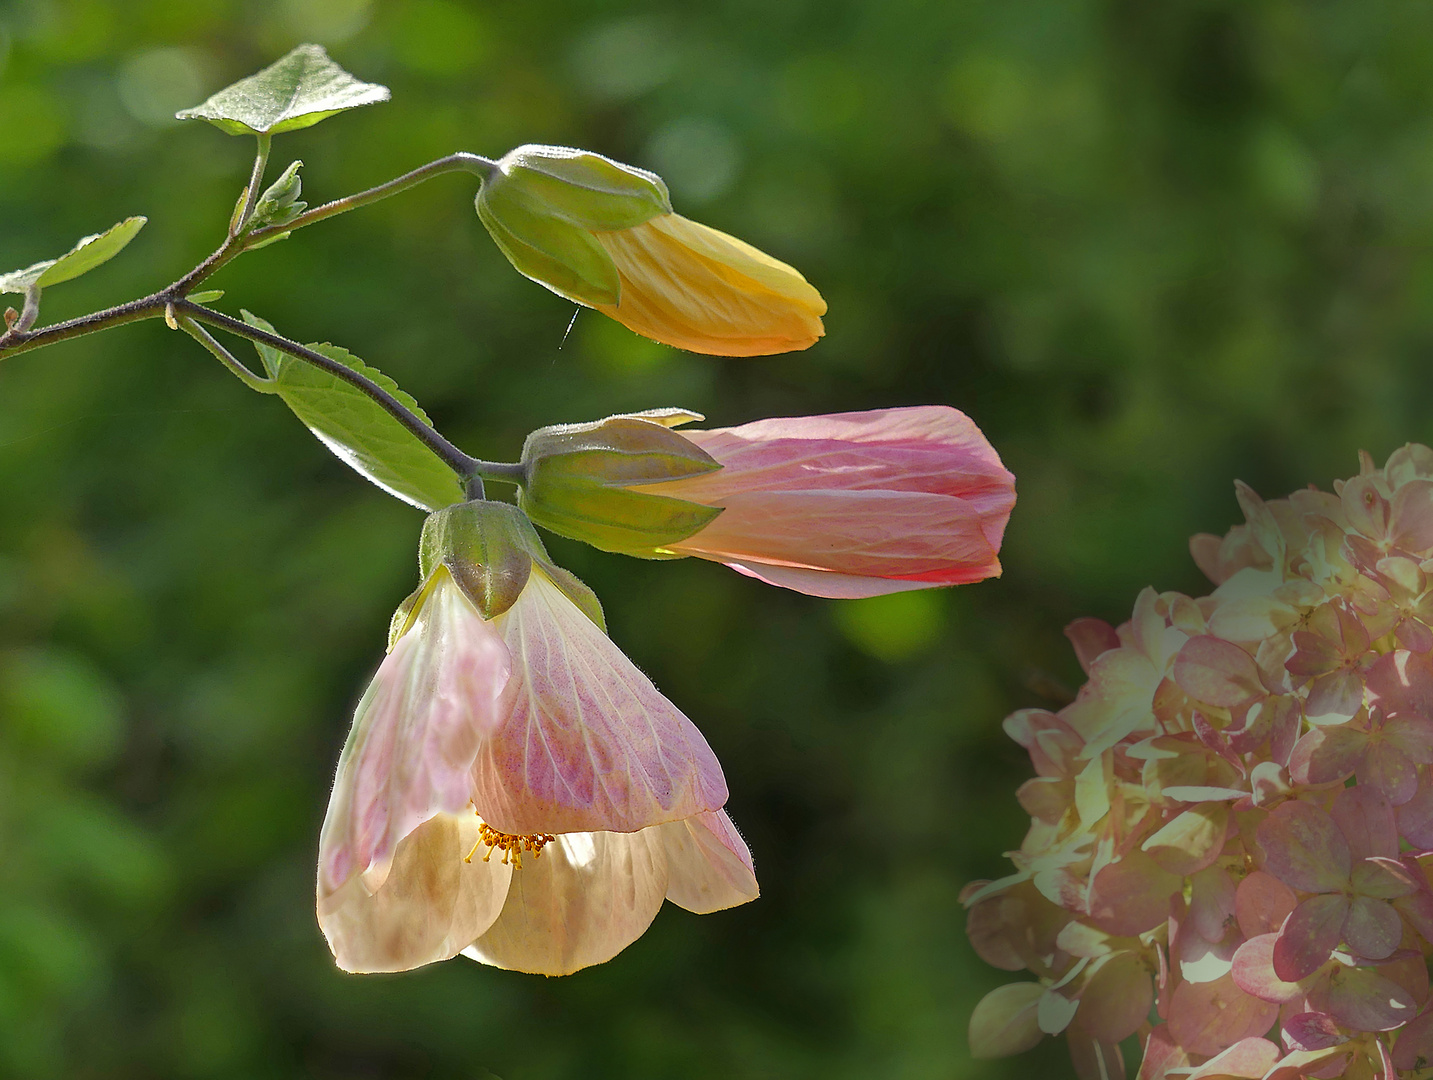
(511, 845)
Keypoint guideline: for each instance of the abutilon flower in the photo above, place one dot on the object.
(846, 505)
(603, 234)
(1232, 825)
(513, 788)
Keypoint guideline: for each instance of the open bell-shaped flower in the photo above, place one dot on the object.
(603, 234)
(513, 787)
(846, 505)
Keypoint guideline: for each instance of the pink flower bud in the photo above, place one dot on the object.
(851, 504)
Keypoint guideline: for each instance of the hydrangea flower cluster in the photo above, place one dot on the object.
(1232, 824)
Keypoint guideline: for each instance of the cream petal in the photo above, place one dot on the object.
(708, 864)
(415, 736)
(587, 898)
(588, 743)
(432, 905)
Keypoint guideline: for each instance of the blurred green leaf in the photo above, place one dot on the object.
(90, 252)
(356, 428)
(294, 92)
(59, 703)
(893, 627)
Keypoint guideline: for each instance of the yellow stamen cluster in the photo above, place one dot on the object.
(512, 846)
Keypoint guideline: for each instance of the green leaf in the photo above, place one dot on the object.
(208, 296)
(294, 92)
(356, 428)
(80, 259)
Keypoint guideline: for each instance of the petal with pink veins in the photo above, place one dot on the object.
(415, 735)
(588, 743)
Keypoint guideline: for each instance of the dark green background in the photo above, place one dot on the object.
(1149, 247)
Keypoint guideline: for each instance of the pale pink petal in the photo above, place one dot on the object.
(432, 905)
(1411, 528)
(1132, 895)
(588, 743)
(709, 867)
(1309, 935)
(415, 736)
(910, 536)
(1372, 928)
(828, 584)
(1364, 1000)
(1217, 672)
(1003, 1023)
(1253, 972)
(1247, 1059)
(1262, 903)
(585, 899)
(1208, 1018)
(1303, 848)
(1161, 1054)
(1366, 820)
(1091, 638)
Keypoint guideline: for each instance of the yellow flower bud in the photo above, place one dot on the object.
(603, 234)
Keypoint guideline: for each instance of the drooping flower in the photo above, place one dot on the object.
(845, 505)
(1243, 790)
(513, 787)
(603, 234)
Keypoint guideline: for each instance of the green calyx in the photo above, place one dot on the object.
(489, 549)
(543, 204)
(577, 480)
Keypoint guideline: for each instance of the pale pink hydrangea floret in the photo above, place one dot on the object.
(529, 736)
(1234, 818)
(852, 504)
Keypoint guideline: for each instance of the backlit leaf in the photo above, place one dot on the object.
(356, 428)
(294, 92)
(90, 252)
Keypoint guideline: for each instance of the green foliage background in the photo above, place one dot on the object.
(1149, 247)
